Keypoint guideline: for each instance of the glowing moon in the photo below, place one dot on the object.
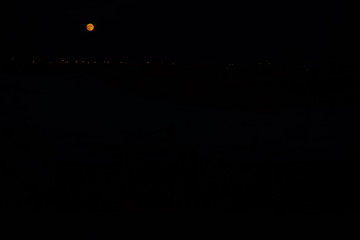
(90, 27)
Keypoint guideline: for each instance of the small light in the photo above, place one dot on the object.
(90, 27)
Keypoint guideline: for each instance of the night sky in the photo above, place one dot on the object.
(179, 30)
(117, 136)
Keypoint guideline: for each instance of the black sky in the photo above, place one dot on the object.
(185, 30)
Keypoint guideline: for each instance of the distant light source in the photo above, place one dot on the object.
(90, 27)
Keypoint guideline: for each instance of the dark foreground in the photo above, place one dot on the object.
(113, 141)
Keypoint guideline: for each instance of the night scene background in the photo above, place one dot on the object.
(167, 105)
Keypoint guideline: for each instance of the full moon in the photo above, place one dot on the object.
(90, 27)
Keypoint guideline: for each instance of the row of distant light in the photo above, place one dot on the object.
(62, 61)
(76, 62)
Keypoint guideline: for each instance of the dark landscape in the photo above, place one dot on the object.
(139, 136)
(133, 105)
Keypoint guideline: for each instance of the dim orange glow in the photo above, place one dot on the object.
(90, 27)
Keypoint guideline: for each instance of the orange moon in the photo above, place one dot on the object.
(90, 27)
